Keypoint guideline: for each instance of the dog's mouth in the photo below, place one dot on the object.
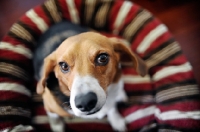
(93, 112)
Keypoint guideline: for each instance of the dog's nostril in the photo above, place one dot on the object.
(92, 104)
(86, 102)
(80, 107)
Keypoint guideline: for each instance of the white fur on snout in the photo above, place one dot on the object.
(83, 85)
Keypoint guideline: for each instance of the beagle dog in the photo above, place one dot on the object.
(86, 69)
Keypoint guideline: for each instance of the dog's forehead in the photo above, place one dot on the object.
(85, 42)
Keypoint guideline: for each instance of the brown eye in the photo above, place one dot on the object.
(64, 67)
(102, 59)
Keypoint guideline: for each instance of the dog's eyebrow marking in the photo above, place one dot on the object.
(67, 58)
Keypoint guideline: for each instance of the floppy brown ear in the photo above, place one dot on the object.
(49, 64)
(127, 57)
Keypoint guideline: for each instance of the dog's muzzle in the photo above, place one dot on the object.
(87, 96)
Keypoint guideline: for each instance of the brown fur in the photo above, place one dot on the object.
(80, 52)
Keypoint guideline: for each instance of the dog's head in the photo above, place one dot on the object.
(85, 65)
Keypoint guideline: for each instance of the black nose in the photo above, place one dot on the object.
(86, 102)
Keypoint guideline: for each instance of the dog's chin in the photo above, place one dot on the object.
(85, 113)
(93, 112)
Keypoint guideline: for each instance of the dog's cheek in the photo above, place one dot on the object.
(116, 67)
(56, 71)
(112, 70)
(64, 88)
(67, 79)
(107, 78)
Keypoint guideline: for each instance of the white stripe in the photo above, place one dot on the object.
(143, 99)
(147, 128)
(51, 7)
(45, 119)
(151, 110)
(15, 88)
(134, 79)
(40, 119)
(85, 120)
(177, 89)
(16, 48)
(56, 122)
(175, 114)
(37, 98)
(124, 10)
(89, 11)
(169, 115)
(18, 128)
(163, 54)
(41, 24)
(177, 92)
(171, 70)
(14, 70)
(137, 23)
(176, 95)
(140, 114)
(22, 32)
(167, 130)
(152, 36)
(72, 11)
(100, 18)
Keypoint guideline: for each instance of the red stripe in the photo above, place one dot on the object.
(40, 12)
(11, 40)
(174, 79)
(10, 95)
(181, 106)
(10, 80)
(127, 111)
(129, 71)
(78, 7)
(38, 110)
(138, 87)
(10, 55)
(178, 60)
(159, 41)
(64, 9)
(141, 123)
(182, 123)
(79, 127)
(115, 10)
(9, 124)
(144, 32)
(14, 41)
(26, 20)
(113, 14)
(131, 15)
(42, 127)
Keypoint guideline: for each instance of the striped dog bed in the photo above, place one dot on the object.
(167, 99)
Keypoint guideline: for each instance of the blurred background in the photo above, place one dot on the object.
(181, 16)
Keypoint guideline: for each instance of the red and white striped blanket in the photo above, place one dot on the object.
(166, 99)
